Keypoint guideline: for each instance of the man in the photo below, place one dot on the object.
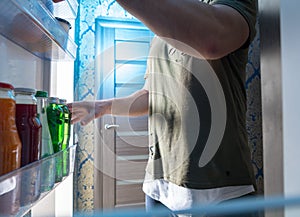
(195, 98)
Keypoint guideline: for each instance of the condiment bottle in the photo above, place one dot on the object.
(29, 129)
(28, 125)
(10, 152)
(10, 144)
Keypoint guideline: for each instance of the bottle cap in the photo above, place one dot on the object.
(6, 86)
(23, 90)
(62, 101)
(53, 100)
(41, 93)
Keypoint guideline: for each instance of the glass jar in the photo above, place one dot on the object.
(10, 151)
(29, 129)
(28, 124)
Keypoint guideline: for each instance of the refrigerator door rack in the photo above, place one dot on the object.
(21, 189)
(29, 24)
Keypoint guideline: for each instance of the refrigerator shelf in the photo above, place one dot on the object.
(21, 189)
(29, 24)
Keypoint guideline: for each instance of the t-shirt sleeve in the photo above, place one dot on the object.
(247, 8)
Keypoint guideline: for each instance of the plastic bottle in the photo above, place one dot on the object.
(67, 131)
(10, 151)
(10, 144)
(30, 131)
(48, 163)
(55, 117)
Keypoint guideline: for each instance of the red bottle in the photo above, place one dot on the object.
(28, 124)
(30, 132)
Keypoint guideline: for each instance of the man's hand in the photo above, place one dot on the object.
(134, 105)
(86, 111)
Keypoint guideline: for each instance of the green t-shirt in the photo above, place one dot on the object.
(197, 114)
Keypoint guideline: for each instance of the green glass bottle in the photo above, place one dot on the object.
(55, 117)
(48, 164)
(67, 132)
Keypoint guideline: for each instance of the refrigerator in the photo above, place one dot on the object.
(37, 50)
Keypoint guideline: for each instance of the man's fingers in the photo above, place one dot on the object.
(75, 120)
(81, 112)
(70, 106)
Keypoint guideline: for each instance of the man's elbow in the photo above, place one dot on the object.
(213, 51)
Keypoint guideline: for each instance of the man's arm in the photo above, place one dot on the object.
(133, 105)
(196, 28)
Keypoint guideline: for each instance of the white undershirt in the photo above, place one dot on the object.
(179, 198)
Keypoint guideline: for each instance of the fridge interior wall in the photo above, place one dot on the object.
(19, 67)
(23, 69)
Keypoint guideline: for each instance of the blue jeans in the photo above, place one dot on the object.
(152, 204)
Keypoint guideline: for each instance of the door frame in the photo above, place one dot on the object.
(104, 139)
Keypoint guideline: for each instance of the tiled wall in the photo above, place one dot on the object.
(85, 90)
(254, 115)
